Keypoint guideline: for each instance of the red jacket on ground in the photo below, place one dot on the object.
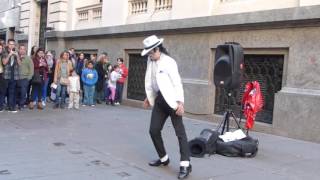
(124, 73)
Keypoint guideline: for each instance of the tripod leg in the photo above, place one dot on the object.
(220, 124)
(228, 121)
(235, 119)
(225, 117)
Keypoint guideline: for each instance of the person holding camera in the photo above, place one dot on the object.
(39, 78)
(11, 62)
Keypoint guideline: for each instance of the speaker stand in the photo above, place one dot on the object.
(225, 123)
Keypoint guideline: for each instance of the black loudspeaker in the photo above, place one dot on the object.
(228, 65)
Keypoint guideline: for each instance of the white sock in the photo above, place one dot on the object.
(164, 158)
(185, 163)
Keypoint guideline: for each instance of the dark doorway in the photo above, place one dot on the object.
(137, 71)
(268, 71)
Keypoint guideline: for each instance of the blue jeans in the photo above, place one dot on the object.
(119, 91)
(88, 94)
(44, 90)
(61, 94)
(23, 84)
(12, 94)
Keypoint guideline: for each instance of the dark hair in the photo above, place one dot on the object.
(104, 53)
(163, 49)
(39, 49)
(22, 45)
(115, 67)
(120, 59)
(80, 55)
(33, 50)
(89, 62)
(9, 40)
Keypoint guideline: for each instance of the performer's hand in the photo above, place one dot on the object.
(146, 103)
(180, 109)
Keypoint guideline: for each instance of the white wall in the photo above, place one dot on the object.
(191, 8)
(114, 12)
(309, 2)
(240, 6)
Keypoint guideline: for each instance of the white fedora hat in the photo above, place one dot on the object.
(150, 43)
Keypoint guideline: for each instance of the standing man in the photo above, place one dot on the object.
(26, 73)
(120, 82)
(165, 93)
(11, 62)
(3, 82)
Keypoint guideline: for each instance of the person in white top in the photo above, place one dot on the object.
(112, 83)
(164, 92)
(74, 90)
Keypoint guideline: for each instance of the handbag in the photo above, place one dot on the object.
(64, 81)
(37, 78)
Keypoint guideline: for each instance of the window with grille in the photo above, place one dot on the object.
(137, 71)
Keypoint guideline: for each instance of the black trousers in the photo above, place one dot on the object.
(161, 111)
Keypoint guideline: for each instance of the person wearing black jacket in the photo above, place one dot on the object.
(102, 74)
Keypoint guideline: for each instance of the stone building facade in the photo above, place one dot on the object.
(280, 41)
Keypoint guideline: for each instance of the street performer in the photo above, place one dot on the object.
(165, 93)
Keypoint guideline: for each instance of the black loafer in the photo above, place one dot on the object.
(158, 162)
(184, 172)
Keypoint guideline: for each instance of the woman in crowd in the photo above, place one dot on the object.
(61, 74)
(51, 64)
(39, 78)
(102, 72)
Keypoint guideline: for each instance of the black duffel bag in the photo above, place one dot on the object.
(246, 147)
(204, 144)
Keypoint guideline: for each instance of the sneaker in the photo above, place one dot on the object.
(117, 103)
(13, 110)
(84, 105)
(1, 110)
(92, 105)
(43, 104)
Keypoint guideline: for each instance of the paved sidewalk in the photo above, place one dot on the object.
(111, 143)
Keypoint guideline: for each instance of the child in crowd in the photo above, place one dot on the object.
(74, 90)
(112, 84)
(89, 78)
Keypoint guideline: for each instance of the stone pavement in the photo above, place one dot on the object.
(111, 143)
